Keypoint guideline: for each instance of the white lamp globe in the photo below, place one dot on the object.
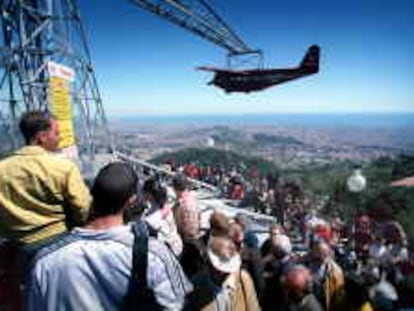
(356, 182)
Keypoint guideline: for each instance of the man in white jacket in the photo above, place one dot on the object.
(91, 268)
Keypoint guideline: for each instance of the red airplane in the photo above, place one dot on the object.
(247, 81)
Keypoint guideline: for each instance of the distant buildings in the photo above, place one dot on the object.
(209, 142)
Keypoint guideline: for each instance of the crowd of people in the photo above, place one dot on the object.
(267, 194)
(126, 244)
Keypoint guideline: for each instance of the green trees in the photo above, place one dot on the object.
(379, 199)
(216, 158)
(328, 183)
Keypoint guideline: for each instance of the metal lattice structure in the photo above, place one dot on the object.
(37, 32)
(198, 17)
(33, 33)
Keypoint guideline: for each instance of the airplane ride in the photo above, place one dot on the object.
(247, 81)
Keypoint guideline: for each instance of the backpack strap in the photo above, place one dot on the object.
(140, 296)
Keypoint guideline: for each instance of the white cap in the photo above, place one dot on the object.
(282, 242)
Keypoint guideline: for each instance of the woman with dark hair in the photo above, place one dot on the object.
(159, 215)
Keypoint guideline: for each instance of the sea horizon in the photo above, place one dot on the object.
(370, 120)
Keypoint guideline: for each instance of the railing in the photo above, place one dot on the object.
(209, 200)
(141, 163)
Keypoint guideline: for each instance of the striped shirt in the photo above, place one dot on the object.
(187, 215)
(93, 273)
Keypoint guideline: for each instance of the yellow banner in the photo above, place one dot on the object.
(61, 107)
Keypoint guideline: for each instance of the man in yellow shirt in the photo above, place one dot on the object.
(40, 192)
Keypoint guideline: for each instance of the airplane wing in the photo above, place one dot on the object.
(259, 79)
(224, 70)
(309, 63)
(242, 72)
(211, 69)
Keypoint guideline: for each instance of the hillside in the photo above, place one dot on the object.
(216, 158)
(378, 199)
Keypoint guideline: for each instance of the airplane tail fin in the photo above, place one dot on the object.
(311, 60)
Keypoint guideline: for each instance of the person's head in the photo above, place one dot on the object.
(320, 251)
(378, 239)
(371, 273)
(281, 246)
(276, 229)
(155, 192)
(364, 221)
(180, 183)
(297, 282)
(243, 220)
(236, 233)
(251, 240)
(114, 190)
(223, 258)
(219, 224)
(40, 128)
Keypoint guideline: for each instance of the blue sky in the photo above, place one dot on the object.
(145, 65)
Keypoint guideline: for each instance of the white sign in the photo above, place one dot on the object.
(60, 71)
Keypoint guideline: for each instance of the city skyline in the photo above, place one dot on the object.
(146, 66)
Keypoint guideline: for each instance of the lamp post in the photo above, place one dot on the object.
(356, 183)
